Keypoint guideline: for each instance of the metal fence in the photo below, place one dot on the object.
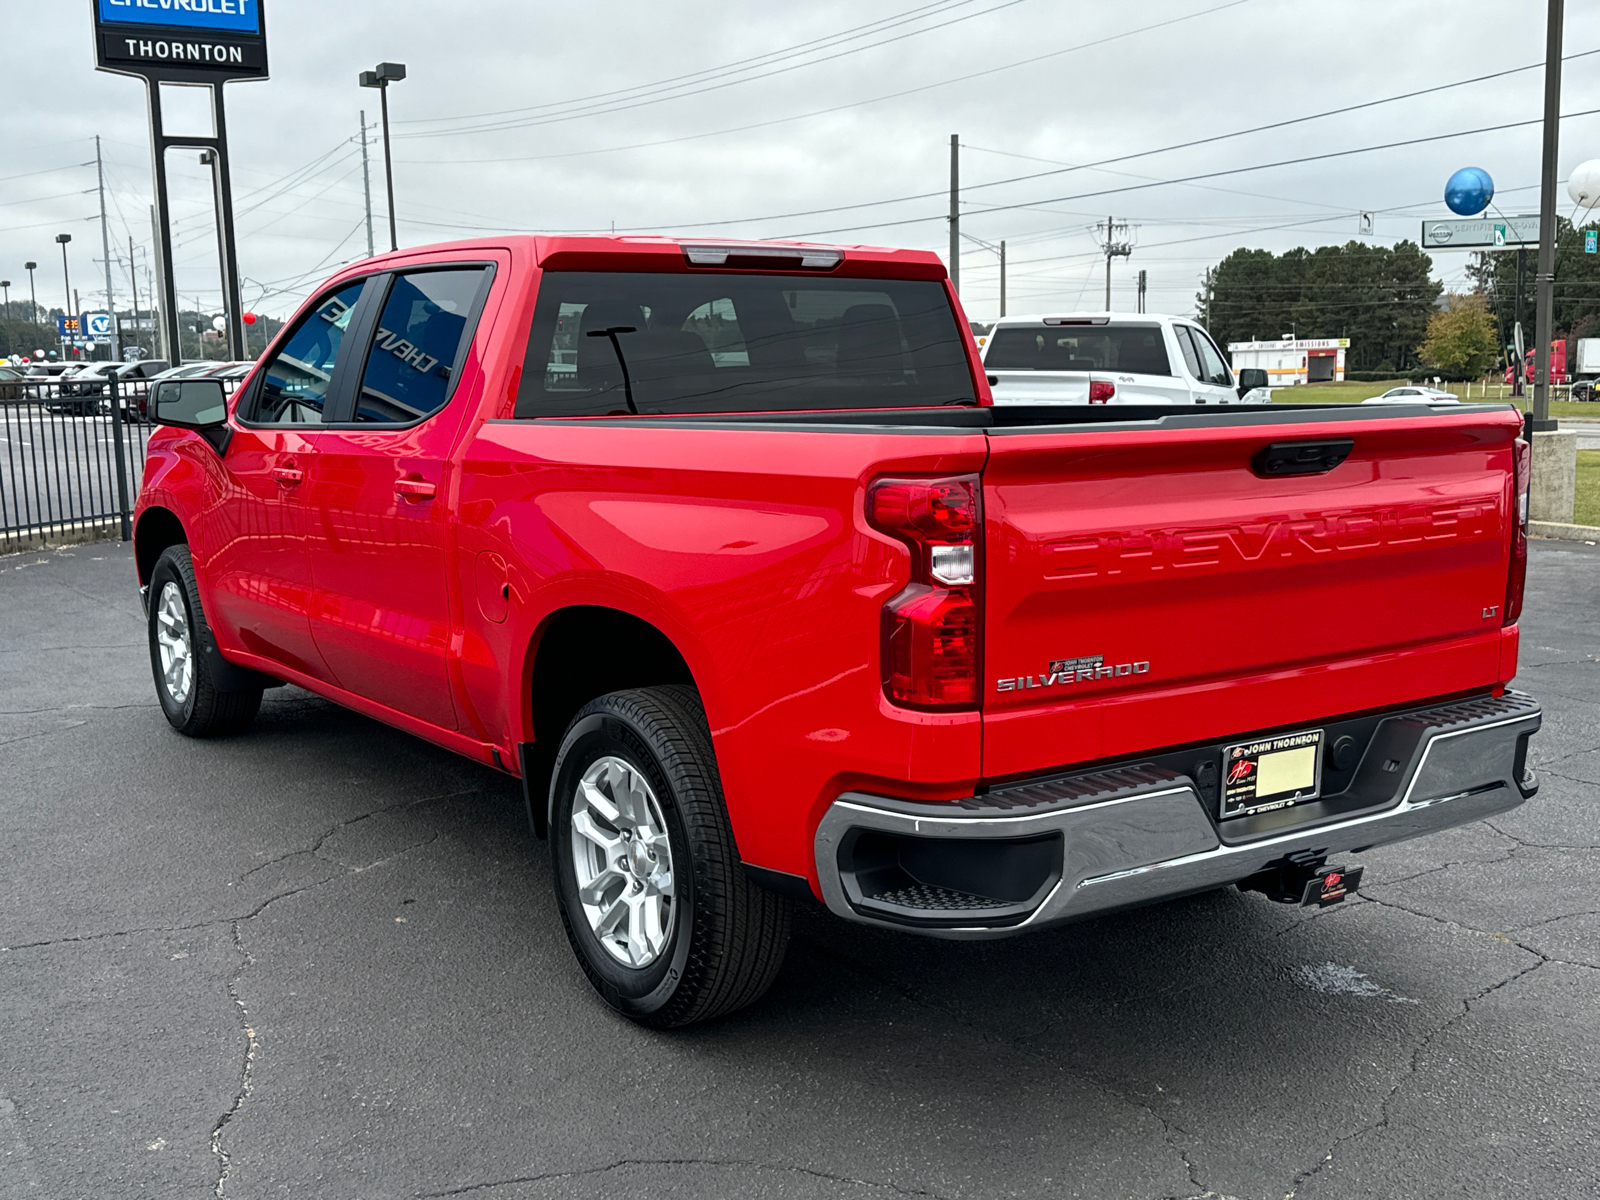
(71, 459)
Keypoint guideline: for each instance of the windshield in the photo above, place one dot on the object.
(1136, 349)
(613, 342)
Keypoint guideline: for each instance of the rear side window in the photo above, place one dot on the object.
(411, 363)
(1191, 356)
(294, 388)
(706, 342)
(1134, 349)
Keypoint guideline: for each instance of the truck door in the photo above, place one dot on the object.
(377, 498)
(259, 571)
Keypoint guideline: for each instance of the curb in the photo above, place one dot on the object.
(1556, 531)
(50, 537)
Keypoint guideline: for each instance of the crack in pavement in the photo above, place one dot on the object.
(1411, 1070)
(1521, 841)
(316, 845)
(725, 1163)
(908, 993)
(224, 1161)
(31, 712)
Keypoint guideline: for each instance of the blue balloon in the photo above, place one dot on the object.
(1468, 191)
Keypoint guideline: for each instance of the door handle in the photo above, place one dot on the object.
(414, 489)
(290, 475)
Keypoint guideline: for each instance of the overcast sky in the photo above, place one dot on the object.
(539, 116)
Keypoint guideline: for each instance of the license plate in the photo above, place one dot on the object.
(1273, 772)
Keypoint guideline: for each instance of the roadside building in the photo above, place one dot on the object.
(1288, 361)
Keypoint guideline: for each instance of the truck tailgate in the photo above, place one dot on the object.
(1147, 587)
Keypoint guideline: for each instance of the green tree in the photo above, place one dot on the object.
(1576, 288)
(1379, 297)
(1461, 342)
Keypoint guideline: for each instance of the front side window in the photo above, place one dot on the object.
(1134, 349)
(294, 387)
(703, 342)
(413, 354)
(1215, 370)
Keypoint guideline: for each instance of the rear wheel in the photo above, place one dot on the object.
(664, 921)
(179, 636)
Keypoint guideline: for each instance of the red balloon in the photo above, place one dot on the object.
(249, 318)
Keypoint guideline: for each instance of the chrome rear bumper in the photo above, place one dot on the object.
(1075, 846)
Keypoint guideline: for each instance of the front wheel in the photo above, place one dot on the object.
(193, 703)
(663, 919)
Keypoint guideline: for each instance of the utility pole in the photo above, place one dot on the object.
(1544, 281)
(955, 212)
(366, 182)
(1002, 277)
(169, 353)
(105, 250)
(133, 282)
(1142, 282)
(1114, 249)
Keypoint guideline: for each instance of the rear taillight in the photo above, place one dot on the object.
(931, 629)
(1521, 480)
(1101, 393)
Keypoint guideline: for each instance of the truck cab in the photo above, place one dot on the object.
(1108, 358)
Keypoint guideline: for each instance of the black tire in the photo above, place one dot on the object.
(204, 709)
(728, 936)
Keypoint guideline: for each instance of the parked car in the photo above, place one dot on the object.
(83, 392)
(1111, 358)
(766, 603)
(1413, 394)
(12, 383)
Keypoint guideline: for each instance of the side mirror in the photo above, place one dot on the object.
(189, 403)
(1251, 378)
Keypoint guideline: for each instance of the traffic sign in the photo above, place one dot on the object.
(1591, 241)
(1479, 233)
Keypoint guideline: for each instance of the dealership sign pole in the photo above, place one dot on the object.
(197, 43)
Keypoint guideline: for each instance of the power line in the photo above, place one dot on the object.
(1287, 162)
(855, 103)
(866, 30)
(603, 110)
(1090, 165)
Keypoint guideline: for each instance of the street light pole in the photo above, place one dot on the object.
(5, 286)
(33, 296)
(62, 239)
(381, 78)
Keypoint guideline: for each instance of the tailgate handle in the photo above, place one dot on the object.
(1303, 458)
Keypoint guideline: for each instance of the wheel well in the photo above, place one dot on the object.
(158, 529)
(584, 653)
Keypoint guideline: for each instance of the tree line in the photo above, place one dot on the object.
(1380, 297)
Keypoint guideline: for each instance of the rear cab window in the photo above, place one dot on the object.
(1134, 348)
(707, 342)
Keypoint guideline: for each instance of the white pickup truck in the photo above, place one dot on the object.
(1112, 358)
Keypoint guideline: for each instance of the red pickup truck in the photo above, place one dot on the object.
(723, 549)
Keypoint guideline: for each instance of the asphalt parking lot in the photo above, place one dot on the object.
(322, 960)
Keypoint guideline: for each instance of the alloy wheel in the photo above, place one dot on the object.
(623, 861)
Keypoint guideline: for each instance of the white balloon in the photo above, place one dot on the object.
(1583, 185)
